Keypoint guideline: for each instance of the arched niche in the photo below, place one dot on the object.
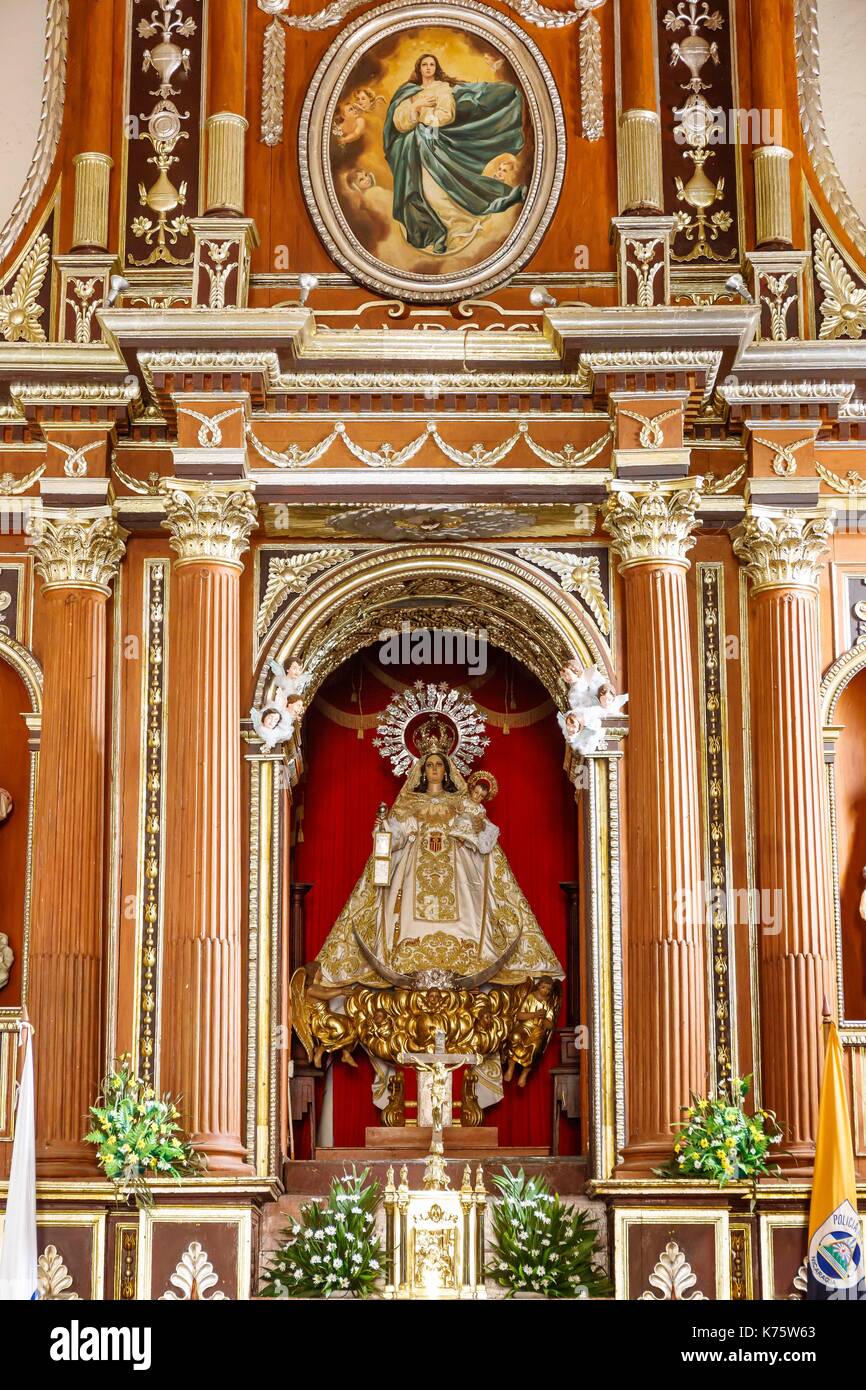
(20, 720)
(529, 616)
(843, 709)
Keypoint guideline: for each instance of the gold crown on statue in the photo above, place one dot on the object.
(435, 736)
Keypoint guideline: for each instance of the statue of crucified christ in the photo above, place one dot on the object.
(435, 1070)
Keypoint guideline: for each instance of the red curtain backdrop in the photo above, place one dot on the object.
(851, 828)
(336, 806)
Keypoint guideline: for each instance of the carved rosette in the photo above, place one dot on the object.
(79, 552)
(653, 524)
(783, 551)
(209, 521)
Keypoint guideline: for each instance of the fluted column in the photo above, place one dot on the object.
(226, 123)
(782, 555)
(770, 37)
(639, 140)
(93, 33)
(77, 557)
(201, 1057)
(666, 1044)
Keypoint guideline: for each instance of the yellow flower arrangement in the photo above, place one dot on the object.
(136, 1134)
(718, 1141)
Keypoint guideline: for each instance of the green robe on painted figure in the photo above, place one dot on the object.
(487, 122)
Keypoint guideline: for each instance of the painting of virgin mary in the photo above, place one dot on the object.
(439, 136)
(432, 148)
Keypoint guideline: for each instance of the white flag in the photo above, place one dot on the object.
(18, 1253)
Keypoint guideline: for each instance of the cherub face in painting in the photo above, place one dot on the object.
(362, 180)
(505, 169)
(364, 98)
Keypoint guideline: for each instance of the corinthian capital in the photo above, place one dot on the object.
(77, 550)
(209, 521)
(782, 550)
(653, 523)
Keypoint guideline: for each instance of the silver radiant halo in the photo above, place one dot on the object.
(430, 715)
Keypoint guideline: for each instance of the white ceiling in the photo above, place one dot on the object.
(842, 39)
(22, 27)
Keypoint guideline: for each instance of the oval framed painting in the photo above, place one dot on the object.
(432, 149)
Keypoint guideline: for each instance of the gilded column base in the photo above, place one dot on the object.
(773, 196)
(225, 163)
(639, 150)
(92, 181)
(643, 247)
(221, 268)
(85, 279)
(777, 283)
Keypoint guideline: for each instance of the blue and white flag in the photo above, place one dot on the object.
(18, 1277)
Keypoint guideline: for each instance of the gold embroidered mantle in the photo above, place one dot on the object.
(452, 903)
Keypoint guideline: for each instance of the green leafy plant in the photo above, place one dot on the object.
(333, 1249)
(540, 1245)
(720, 1142)
(137, 1135)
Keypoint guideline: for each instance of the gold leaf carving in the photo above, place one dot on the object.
(54, 1281)
(193, 1275)
(578, 574)
(843, 308)
(20, 310)
(290, 574)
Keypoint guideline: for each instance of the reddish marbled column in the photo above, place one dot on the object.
(795, 935)
(772, 35)
(200, 1052)
(638, 85)
(639, 149)
(77, 560)
(666, 1039)
(226, 100)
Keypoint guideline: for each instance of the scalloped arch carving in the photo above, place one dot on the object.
(519, 607)
(837, 677)
(24, 663)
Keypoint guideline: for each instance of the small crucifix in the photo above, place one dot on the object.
(435, 1070)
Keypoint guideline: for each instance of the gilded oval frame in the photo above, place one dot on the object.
(545, 112)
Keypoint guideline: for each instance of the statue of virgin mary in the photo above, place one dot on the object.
(451, 913)
(436, 933)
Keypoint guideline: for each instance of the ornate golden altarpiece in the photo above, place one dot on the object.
(233, 432)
